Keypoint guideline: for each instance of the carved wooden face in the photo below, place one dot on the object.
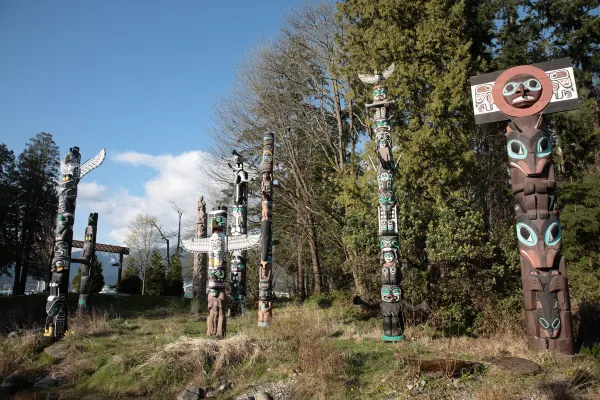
(522, 91)
(529, 151)
(540, 241)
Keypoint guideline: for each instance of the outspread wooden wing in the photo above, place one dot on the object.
(196, 245)
(368, 78)
(388, 71)
(244, 242)
(92, 163)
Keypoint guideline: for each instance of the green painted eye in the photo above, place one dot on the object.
(396, 291)
(516, 149)
(555, 323)
(385, 291)
(544, 323)
(553, 234)
(533, 84)
(543, 147)
(526, 235)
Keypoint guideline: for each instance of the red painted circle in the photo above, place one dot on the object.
(537, 73)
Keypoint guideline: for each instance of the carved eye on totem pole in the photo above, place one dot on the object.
(540, 241)
(529, 151)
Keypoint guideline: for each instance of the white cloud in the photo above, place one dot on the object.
(89, 191)
(178, 179)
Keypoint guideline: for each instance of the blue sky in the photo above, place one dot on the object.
(138, 78)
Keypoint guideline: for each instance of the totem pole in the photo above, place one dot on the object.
(217, 246)
(393, 324)
(237, 294)
(89, 253)
(265, 277)
(72, 172)
(523, 95)
(199, 277)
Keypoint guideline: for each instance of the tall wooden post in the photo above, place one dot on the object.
(265, 276)
(391, 277)
(523, 95)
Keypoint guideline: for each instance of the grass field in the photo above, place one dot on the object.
(314, 353)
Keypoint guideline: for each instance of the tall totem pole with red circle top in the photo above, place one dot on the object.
(523, 95)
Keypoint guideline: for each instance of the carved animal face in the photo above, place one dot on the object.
(522, 91)
(217, 220)
(529, 151)
(540, 241)
(547, 286)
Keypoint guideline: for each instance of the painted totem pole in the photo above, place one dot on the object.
(89, 253)
(72, 172)
(237, 295)
(217, 246)
(199, 274)
(523, 95)
(265, 271)
(391, 294)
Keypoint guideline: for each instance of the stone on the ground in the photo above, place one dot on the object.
(13, 335)
(46, 382)
(192, 393)
(262, 396)
(14, 382)
(441, 366)
(515, 364)
(58, 350)
(19, 380)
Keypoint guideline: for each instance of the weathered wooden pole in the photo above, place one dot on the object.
(391, 277)
(87, 258)
(217, 246)
(199, 303)
(239, 223)
(523, 95)
(72, 171)
(265, 276)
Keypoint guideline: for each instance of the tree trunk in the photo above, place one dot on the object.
(314, 253)
(359, 283)
(301, 292)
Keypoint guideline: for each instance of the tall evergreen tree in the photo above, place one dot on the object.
(155, 275)
(8, 209)
(174, 280)
(131, 283)
(38, 173)
(96, 276)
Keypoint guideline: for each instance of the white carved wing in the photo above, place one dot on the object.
(388, 71)
(244, 242)
(368, 78)
(196, 245)
(92, 163)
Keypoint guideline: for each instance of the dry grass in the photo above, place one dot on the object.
(17, 352)
(74, 366)
(195, 355)
(90, 325)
